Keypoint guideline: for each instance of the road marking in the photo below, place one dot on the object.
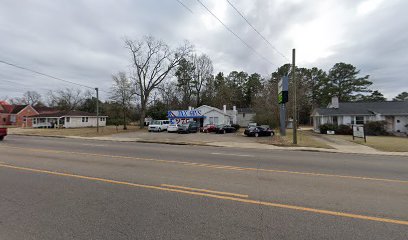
(249, 201)
(93, 145)
(231, 154)
(213, 166)
(205, 190)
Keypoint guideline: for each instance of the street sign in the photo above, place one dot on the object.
(283, 88)
(358, 131)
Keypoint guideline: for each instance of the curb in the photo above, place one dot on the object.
(279, 148)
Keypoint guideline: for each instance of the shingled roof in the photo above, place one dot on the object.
(66, 114)
(365, 108)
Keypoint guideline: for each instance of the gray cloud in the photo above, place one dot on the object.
(82, 41)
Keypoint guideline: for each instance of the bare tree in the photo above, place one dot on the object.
(153, 61)
(203, 71)
(32, 98)
(122, 93)
(67, 99)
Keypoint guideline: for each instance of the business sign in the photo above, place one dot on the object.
(358, 131)
(179, 120)
(195, 113)
(283, 88)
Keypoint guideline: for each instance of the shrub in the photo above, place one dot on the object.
(376, 128)
(327, 127)
(236, 126)
(344, 130)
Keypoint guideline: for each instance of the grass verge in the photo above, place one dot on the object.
(382, 143)
(82, 132)
(305, 139)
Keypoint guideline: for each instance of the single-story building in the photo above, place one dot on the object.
(204, 115)
(395, 113)
(67, 119)
(16, 115)
(245, 116)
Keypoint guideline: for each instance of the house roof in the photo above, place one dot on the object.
(17, 108)
(245, 110)
(365, 108)
(67, 114)
(213, 109)
(44, 109)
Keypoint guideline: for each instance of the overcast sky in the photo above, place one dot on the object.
(82, 41)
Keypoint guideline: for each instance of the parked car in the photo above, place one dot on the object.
(188, 128)
(158, 125)
(258, 131)
(173, 127)
(208, 128)
(3, 133)
(224, 128)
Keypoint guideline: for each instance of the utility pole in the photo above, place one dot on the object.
(294, 97)
(97, 109)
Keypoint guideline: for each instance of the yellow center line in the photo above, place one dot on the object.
(205, 190)
(230, 198)
(235, 168)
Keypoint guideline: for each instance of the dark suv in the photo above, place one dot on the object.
(188, 128)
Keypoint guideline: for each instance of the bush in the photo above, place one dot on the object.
(236, 126)
(344, 130)
(327, 127)
(376, 128)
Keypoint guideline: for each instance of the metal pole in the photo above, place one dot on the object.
(97, 109)
(294, 97)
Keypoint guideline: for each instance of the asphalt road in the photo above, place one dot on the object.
(53, 188)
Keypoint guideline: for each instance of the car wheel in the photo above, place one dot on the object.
(256, 134)
(1, 138)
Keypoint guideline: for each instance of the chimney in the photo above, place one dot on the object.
(234, 108)
(224, 108)
(334, 102)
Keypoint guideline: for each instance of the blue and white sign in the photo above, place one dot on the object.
(185, 114)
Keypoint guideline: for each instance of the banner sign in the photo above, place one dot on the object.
(283, 89)
(358, 131)
(179, 120)
(185, 114)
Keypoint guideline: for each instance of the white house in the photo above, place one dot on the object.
(67, 119)
(245, 116)
(395, 113)
(204, 115)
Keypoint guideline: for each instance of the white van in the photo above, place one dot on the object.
(158, 125)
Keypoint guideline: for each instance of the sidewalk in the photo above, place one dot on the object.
(340, 146)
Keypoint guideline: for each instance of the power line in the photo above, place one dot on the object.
(182, 4)
(266, 40)
(46, 75)
(236, 35)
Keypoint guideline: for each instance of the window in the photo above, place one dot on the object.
(359, 120)
(102, 119)
(216, 120)
(34, 120)
(398, 121)
(84, 119)
(335, 121)
(4, 119)
(211, 119)
(68, 119)
(243, 115)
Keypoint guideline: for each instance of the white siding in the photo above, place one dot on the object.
(76, 122)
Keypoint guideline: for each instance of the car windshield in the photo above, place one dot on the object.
(185, 124)
(220, 126)
(156, 122)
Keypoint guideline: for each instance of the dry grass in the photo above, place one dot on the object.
(82, 132)
(305, 139)
(382, 143)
